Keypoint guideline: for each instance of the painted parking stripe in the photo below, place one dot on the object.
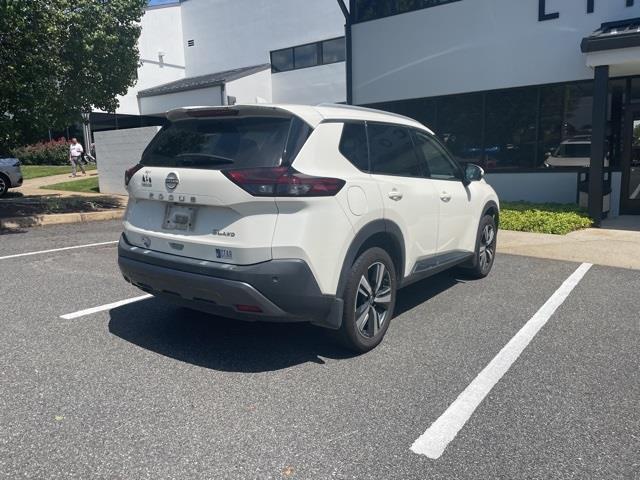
(58, 249)
(433, 442)
(102, 308)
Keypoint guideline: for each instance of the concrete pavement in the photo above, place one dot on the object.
(616, 244)
(148, 390)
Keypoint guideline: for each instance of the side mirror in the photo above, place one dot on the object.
(473, 173)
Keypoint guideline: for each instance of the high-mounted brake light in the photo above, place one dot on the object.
(213, 112)
(283, 182)
(130, 172)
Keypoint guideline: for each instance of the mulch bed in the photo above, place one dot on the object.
(27, 206)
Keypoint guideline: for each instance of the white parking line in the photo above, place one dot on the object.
(101, 308)
(433, 442)
(57, 249)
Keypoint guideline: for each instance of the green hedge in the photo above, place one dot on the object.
(543, 217)
(55, 152)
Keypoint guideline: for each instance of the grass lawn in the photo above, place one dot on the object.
(37, 171)
(553, 218)
(89, 184)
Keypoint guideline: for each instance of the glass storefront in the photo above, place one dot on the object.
(538, 128)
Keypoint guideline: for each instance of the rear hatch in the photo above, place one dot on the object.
(182, 200)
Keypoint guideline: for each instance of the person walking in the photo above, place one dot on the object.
(75, 157)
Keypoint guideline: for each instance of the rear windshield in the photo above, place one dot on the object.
(244, 142)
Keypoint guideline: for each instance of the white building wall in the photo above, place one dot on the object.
(556, 187)
(117, 150)
(475, 45)
(161, 32)
(254, 88)
(310, 86)
(239, 33)
(160, 104)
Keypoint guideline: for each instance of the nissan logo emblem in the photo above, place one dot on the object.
(172, 181)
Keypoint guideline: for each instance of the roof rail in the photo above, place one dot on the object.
(364, 109)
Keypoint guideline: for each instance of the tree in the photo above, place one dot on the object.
(59, 58)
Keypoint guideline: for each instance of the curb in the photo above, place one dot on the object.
(59, 218)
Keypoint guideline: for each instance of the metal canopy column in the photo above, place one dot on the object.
(598, 139)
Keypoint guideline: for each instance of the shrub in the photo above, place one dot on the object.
(543, 217)
(55, 152)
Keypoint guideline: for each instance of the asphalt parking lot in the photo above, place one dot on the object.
(148, 390)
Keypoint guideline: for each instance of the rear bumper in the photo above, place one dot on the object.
(283, 290)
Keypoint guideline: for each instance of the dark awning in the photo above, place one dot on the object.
(613, 35)
(203, 81)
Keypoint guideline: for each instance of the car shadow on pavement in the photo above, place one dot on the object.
(419, 292)
(219, 343)
(236, 346)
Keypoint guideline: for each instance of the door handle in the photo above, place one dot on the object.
(445, 197)
(395, 195)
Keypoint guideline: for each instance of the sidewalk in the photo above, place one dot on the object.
(616, 244)
(32, 186)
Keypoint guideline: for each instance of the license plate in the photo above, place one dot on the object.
(178, 217)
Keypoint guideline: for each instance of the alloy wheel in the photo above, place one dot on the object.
(373, 300)
(3, 186)
(487, 247)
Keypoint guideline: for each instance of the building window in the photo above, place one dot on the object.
(305, 56)
(308, 55)
(635, 90)
(333, 51)
(459, 126)
(510, 129)
(364, 10)
(546, 127)
(282, 60)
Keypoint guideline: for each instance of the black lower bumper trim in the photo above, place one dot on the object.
(284, 290)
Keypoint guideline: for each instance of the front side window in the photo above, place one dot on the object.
(440, 166)
(353, 145)
(392, 152)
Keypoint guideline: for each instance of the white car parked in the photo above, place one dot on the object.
(10, 174)
(573, 152)
(301, 213)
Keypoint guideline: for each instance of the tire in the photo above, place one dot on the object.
(485, 252)
(365, 320)
(4, 185)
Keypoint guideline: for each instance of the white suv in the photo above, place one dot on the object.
(301, 213)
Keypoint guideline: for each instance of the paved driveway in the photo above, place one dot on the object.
(148, 390)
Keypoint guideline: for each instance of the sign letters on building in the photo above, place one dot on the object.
(591, 5)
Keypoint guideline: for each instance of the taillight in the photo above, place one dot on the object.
(130, 172)
(283, 182)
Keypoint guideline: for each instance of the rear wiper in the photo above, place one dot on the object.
(208, 156)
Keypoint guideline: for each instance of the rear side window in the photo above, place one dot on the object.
(240, 142)
(353, 145)
(392, 152)
(440, 166)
